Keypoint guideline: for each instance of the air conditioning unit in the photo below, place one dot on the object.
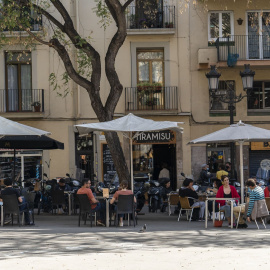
(206, 56)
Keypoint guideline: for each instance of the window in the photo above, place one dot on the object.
(258, 35)
(215, 103)
(18, 81)
(150, 66)
(260, 96)
(220, 24)
(29, 17)
(149, 14)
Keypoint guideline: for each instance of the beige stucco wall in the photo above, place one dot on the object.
(182, 70)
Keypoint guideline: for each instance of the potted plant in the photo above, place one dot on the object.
(157, 87)
(169, 24)
(144, 88)
(36, 105)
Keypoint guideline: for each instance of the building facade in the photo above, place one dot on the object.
(162, 66)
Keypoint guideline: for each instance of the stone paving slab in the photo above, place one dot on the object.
(56, 242)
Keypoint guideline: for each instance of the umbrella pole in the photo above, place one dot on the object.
(241, 171)
(14, 163)
(131, 164)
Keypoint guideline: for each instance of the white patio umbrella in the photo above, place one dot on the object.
(239, 133)
(131, 126)
(8, 127)
(12, 128)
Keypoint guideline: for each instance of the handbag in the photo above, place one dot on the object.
(218, 223)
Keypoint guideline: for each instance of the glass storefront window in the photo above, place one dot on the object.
(143, 160)
(217, 154)
(28, 164)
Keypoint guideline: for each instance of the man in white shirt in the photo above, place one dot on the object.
(164, 173)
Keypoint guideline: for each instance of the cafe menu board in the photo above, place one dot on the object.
(108, 168)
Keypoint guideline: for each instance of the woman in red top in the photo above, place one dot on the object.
(226, 191)
(266, 191)
(123, 191)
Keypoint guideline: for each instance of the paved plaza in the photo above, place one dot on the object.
(56, 242)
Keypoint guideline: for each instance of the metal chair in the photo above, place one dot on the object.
(184, 202)
(125, 205)
(11, 206)
(30, 199)
(85, 209)
(267, 201)
(173, 200)
(58, 198)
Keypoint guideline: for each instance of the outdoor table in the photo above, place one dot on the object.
(2, 214)
(214, 200)
(107, 199)
(70, 197)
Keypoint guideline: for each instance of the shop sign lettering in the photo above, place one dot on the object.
(164, 136)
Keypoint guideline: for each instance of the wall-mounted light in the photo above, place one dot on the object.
(239, 21)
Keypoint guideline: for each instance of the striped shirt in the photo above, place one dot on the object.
(256, 194)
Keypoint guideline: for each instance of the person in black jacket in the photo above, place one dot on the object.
(188, 191)
(205, 175)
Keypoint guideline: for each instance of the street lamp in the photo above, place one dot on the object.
(230, 97)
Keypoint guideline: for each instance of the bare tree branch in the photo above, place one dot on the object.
(127, 4)
(115, 44)
(62, 52)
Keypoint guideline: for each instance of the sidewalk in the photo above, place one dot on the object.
(56, 242)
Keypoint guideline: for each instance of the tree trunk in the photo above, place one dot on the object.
(118, 156)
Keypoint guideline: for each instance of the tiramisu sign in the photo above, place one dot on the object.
(163, 136)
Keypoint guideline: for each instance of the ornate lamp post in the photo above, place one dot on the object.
(230, 97)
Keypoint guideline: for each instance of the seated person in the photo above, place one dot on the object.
(122, 191)
(166, 189)
(61, 185)
(96, 205)
(267, 191)
(221, 171)
(256, 194)
(188, 191)
(226, 191)
(9, 190)
(216, 185)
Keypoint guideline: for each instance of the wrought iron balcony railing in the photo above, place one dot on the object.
(21, 100)
(151, 98)
(243, 47)
(154, 18)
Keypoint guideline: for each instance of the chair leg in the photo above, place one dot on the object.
(116, 219)
(238, 217)
(191, 214)
(79, 219)
(91, 218)
(263, 223)
(180, 214)
(134, 218)
(22, 218)
(33, 216)
(257, 224)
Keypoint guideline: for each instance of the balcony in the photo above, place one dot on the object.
(35, 25)
(159, 21)
(243, 47)
(151, 99)
(21, 100)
